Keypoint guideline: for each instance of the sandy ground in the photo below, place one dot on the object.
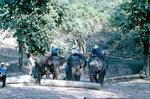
(136, 89)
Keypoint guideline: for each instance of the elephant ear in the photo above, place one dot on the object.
(97, 63)
(77, 59)
(62, 61)
(83, 60)
(58, 61)
(105, 61)
(41, 60)
(73, 59)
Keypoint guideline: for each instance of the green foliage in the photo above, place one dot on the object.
(131, 18)
(134, 15)
(34, 22)
(37, 23)
(80, 20)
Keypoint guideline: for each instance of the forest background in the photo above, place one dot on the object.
(121, 27)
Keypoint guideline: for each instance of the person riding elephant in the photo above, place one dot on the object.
(75, 50)
(96, 52)
(45, 64)
(75, 63)
(97, 68)
(54, 50)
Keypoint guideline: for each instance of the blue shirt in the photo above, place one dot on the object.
(96, 52)
(3, 69)
(55, 49)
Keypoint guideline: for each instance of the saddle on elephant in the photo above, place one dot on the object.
(77, 58)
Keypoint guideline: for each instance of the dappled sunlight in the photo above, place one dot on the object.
(139, 81)
(124, 89)
(138, 85)
(62, 92)
(80, 93)
(5, 90)
(137, 88)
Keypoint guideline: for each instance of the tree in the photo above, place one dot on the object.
(80, 20)
(33, 21)
(134, 18)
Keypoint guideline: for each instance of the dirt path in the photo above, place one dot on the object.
(136, 89)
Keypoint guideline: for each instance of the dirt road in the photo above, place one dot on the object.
(136, 89)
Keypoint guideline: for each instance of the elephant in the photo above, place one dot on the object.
(76, 63)
(97, 69)
(45, 65)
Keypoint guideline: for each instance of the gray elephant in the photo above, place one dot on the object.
(76, 63)
(45, 65)
(97, 69)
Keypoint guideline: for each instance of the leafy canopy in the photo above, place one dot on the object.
(133, 17)
(33, 21)
(80, 20)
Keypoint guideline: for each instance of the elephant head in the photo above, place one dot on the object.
(52, 65)
(97, 67)
(76, 63)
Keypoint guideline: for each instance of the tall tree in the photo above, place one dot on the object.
(135, 19)
(33, 21)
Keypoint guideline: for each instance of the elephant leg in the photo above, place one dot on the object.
(47, 74)
(95, 78)
(78, 76)
(73, 73)
(39, 75)
(92, 77)
(101, 77)
(56, 72)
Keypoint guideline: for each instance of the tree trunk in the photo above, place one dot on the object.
(84, 47)
(81, 42)
(76, 84)
(26, 79)
(146, 56)
(128, 77)
(31, 63)
(20, 56)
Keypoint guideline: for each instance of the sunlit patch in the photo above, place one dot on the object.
(1, 83)
(136, 81)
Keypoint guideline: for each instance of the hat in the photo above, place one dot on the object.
(52, 45)
(2, 63)
(95, 46)
(74, 46)
(7, 64)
